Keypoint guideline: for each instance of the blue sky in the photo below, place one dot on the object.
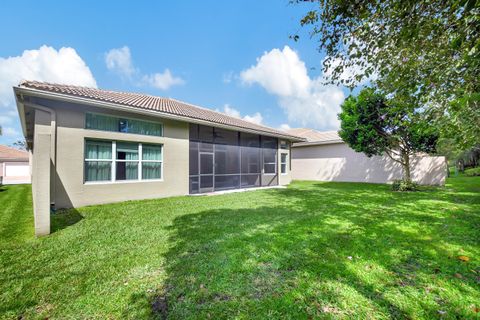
(233, 56)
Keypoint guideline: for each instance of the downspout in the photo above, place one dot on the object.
(53, 140)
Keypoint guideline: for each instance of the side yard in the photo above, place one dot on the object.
(332, 250)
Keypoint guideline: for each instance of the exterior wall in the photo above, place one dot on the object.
(69, 188)
(338, 162)
(284, 179)
(41, 169)
(15, 172)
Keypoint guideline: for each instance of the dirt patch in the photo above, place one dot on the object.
(160, 306)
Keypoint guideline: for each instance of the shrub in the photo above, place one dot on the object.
(402, 185)
(472, 172)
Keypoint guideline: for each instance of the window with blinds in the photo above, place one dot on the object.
(122, 161)
(95, 121)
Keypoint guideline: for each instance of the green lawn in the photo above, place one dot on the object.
(328, 250)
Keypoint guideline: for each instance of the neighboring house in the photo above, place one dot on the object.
(14, 166)
(326, 157)
(92, 146)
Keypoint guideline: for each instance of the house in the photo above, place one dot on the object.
(92, 146)
(324, 156)
(14, 166)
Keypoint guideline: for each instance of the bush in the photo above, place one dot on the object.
(402, 185)
(473, 172)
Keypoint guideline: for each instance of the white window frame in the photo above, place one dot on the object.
(284, 163)
(114, 161)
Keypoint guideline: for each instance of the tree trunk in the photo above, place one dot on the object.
(406, 167)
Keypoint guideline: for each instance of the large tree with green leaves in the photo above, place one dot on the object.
(374, 125)
(428, 49)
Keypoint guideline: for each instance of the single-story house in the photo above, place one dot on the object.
(92, 146)
(324, 156)
(14, 166)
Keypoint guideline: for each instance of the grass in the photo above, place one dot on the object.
(326, 250)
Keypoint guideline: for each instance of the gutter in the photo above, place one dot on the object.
(316, 143)
(115, 106)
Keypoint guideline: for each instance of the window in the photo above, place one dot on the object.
(116, 124)
(121, 161)
(283, 144)
(126, 167)
(269, 161)
(151, 161)
(98, 161)
(283, 163)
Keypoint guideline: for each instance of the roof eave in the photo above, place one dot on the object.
(14, 159)
(109, 105)
(20, 110)
(316, 143)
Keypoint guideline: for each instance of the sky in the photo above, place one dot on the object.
(232, 56)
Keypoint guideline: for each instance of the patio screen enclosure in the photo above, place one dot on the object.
(222, 159)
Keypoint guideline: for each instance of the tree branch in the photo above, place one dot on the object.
(391, 157)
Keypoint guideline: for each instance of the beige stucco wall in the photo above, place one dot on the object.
(69, 187)
(338, 162)
(41, 172)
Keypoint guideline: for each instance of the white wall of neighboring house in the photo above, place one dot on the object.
(15, 172)
(338, 162)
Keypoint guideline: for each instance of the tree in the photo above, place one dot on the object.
(429, 50)
(374, 125)
(20, 145)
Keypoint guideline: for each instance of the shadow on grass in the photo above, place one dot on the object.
(307, 255)
(63, 219)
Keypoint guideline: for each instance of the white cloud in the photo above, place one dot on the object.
(285, 127)
(254, 118)
(43, 64)
(231, 111)
(306, 101)
(162, 81)
(120, 60)
(10, 132)
(280, 72)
